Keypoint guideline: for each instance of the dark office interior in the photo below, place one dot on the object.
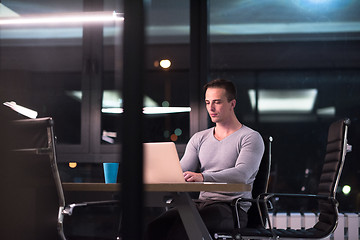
(296, 65)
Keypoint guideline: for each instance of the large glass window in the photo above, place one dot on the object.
(295, 71)
(55, 56)
(295, 63)
(166, 87)
(41, 63)
(166, 93)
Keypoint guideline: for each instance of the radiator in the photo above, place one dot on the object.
(347, 229)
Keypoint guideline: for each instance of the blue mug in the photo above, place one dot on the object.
(111, 172)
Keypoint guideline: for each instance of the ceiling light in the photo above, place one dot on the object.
(283, 101)
(150, 110)
(65, 18)
(6, 12)
(164, 110)
(327, 111)
(111, 99)
(112, 103)
(22, 110)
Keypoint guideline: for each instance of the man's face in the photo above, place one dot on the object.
(217, 105)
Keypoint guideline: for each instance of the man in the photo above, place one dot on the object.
(229, 152)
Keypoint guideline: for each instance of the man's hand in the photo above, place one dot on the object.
(193, 177)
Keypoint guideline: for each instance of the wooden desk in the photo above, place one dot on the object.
(161, 187)
(172, 194)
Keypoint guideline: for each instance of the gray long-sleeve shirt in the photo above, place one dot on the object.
(235, 159)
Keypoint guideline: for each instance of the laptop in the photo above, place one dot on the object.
(161, 163)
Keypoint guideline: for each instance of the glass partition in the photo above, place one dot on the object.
(166, 93)
(41, 62)
(294, 66)
(54, 58)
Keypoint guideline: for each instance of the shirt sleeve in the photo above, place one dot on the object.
(190, 160)
(247, 162)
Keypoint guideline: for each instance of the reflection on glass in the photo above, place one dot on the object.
(283, 101)
(39, 66)
(294, 66)
(112, 106)
(22, 110)
(63, 19)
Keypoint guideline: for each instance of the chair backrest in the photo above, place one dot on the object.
(260, 185)
(333, 164)
(33, 182)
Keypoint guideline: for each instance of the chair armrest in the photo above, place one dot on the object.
(268, 196)
(258, 201)
(68, 210)
(297, 195)
(237, 201)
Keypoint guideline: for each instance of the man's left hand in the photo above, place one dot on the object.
(193, 177)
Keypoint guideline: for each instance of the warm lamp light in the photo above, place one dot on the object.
(72, 164)
(165, 63)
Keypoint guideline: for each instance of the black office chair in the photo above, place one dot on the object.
(328, 212)
(260, 186)
(32, 182)
(34, 200)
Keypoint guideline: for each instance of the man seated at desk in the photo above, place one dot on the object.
(229, 152)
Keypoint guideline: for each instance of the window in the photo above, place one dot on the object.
(293, 65)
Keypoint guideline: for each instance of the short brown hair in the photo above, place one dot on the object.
(225, 84)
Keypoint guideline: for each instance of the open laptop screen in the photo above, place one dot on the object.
(161, 163)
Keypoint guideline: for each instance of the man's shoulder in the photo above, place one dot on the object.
(204, 132)
(202, 135)
(249, 133)
(247, 130)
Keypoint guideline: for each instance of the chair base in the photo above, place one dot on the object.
(311, 233)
